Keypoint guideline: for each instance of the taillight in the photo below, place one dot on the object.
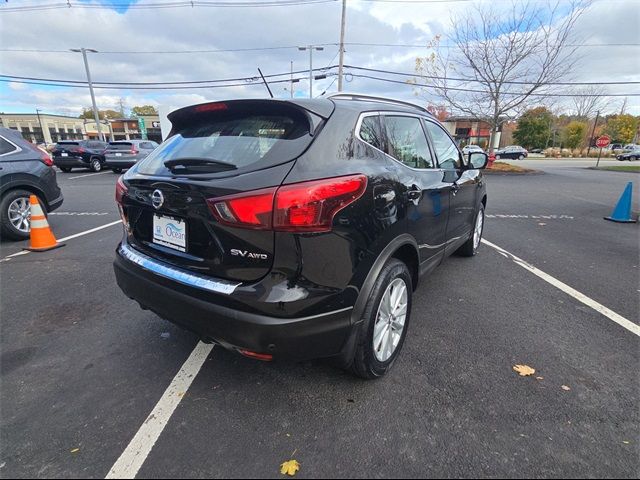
(44, 155)
(299, 207)
(78, 150)
(311, 206)
(210, 107)
(133, 151)
(121, 190)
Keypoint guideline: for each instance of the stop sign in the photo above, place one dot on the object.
(603, 141)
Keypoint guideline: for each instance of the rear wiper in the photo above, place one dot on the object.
(198, 165)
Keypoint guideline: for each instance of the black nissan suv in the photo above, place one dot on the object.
(297, 229)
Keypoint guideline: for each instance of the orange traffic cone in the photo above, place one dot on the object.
(42, 239)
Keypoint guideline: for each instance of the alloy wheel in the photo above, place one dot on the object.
(390, 320)
(19, 213)
(477, 231)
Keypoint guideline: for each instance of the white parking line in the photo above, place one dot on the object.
(60, 240)
(581, 297)
(133, 457)
(89, 175)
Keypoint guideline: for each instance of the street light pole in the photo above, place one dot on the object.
(311, 48)
(96, 116)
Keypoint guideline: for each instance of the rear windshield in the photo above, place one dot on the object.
(244, 138)
(119, 146)
(67, 143)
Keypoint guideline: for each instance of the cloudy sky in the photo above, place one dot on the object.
(120, 27)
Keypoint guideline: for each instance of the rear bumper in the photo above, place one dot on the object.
(69, 162)
(54, 204)
(111, 162)
(189, 301)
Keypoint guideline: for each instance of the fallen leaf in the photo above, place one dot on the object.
(539, 378)
(565, 388)
(289, 468)
(524, 370)
(75, 450)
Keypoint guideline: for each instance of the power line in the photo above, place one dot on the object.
(188, 82)
(161, 5)
(472, 80)
(287, 47)
(469, 90)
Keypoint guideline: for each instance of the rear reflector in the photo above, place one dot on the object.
(265, 357)
(299, 207)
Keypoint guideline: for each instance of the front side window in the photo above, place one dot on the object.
(446, 150)
(407, 142)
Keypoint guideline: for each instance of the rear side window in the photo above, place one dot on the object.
(239, 138)
(96, 145)
(147, 145)
(6, 147)
(407, 142)
(370, 131)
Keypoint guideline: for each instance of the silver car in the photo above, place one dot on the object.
(124, 154)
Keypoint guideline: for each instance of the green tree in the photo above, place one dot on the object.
(622, 128)
(574, 134)
(534, 128)
(144, 110)
(102, 114)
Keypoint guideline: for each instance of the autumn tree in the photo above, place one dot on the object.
(534, 128)
(102, 114)
(574, 134)
(622, 128)
(494, 62)
(588, 100)
(144, 110)
(438, 111)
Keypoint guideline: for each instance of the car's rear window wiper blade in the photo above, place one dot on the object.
(198, 164)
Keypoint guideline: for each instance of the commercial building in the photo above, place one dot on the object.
(39, 128)
(47, 128)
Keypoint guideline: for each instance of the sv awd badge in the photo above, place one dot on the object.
(246, 254)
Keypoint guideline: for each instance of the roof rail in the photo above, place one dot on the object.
(359, 96)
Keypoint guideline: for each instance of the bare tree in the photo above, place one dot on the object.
(494, 61)
(588, 100)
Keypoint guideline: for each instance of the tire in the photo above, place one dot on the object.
(14, 200)
(116, 170)
(497, 157)
(521, 157)
(470, 247)
(633, 159)
(95, 164)
(65, 169)
(370, 362)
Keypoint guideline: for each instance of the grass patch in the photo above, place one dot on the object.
(502, 167)
(620, 168)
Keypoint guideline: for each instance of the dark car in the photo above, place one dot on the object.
(297, 229)
(513, 152)
(69, 154)
(123, 154)
(631, 155)
(24, 170)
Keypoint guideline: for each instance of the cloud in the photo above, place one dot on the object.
(162, 30)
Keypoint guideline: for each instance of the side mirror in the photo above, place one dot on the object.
(478, 160)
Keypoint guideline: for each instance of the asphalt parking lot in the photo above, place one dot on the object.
(82, 367)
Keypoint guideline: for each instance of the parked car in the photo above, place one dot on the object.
(615, 146)
(472, 148)
(69, 154)
(631, 155)
(630, 146)
(25, 170)
(299, 228)
(512, 152)
(121, 155)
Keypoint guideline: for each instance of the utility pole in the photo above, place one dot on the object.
(342, 28)
(41, 127)
(592, 132)
(96, 116)
(311, 48)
